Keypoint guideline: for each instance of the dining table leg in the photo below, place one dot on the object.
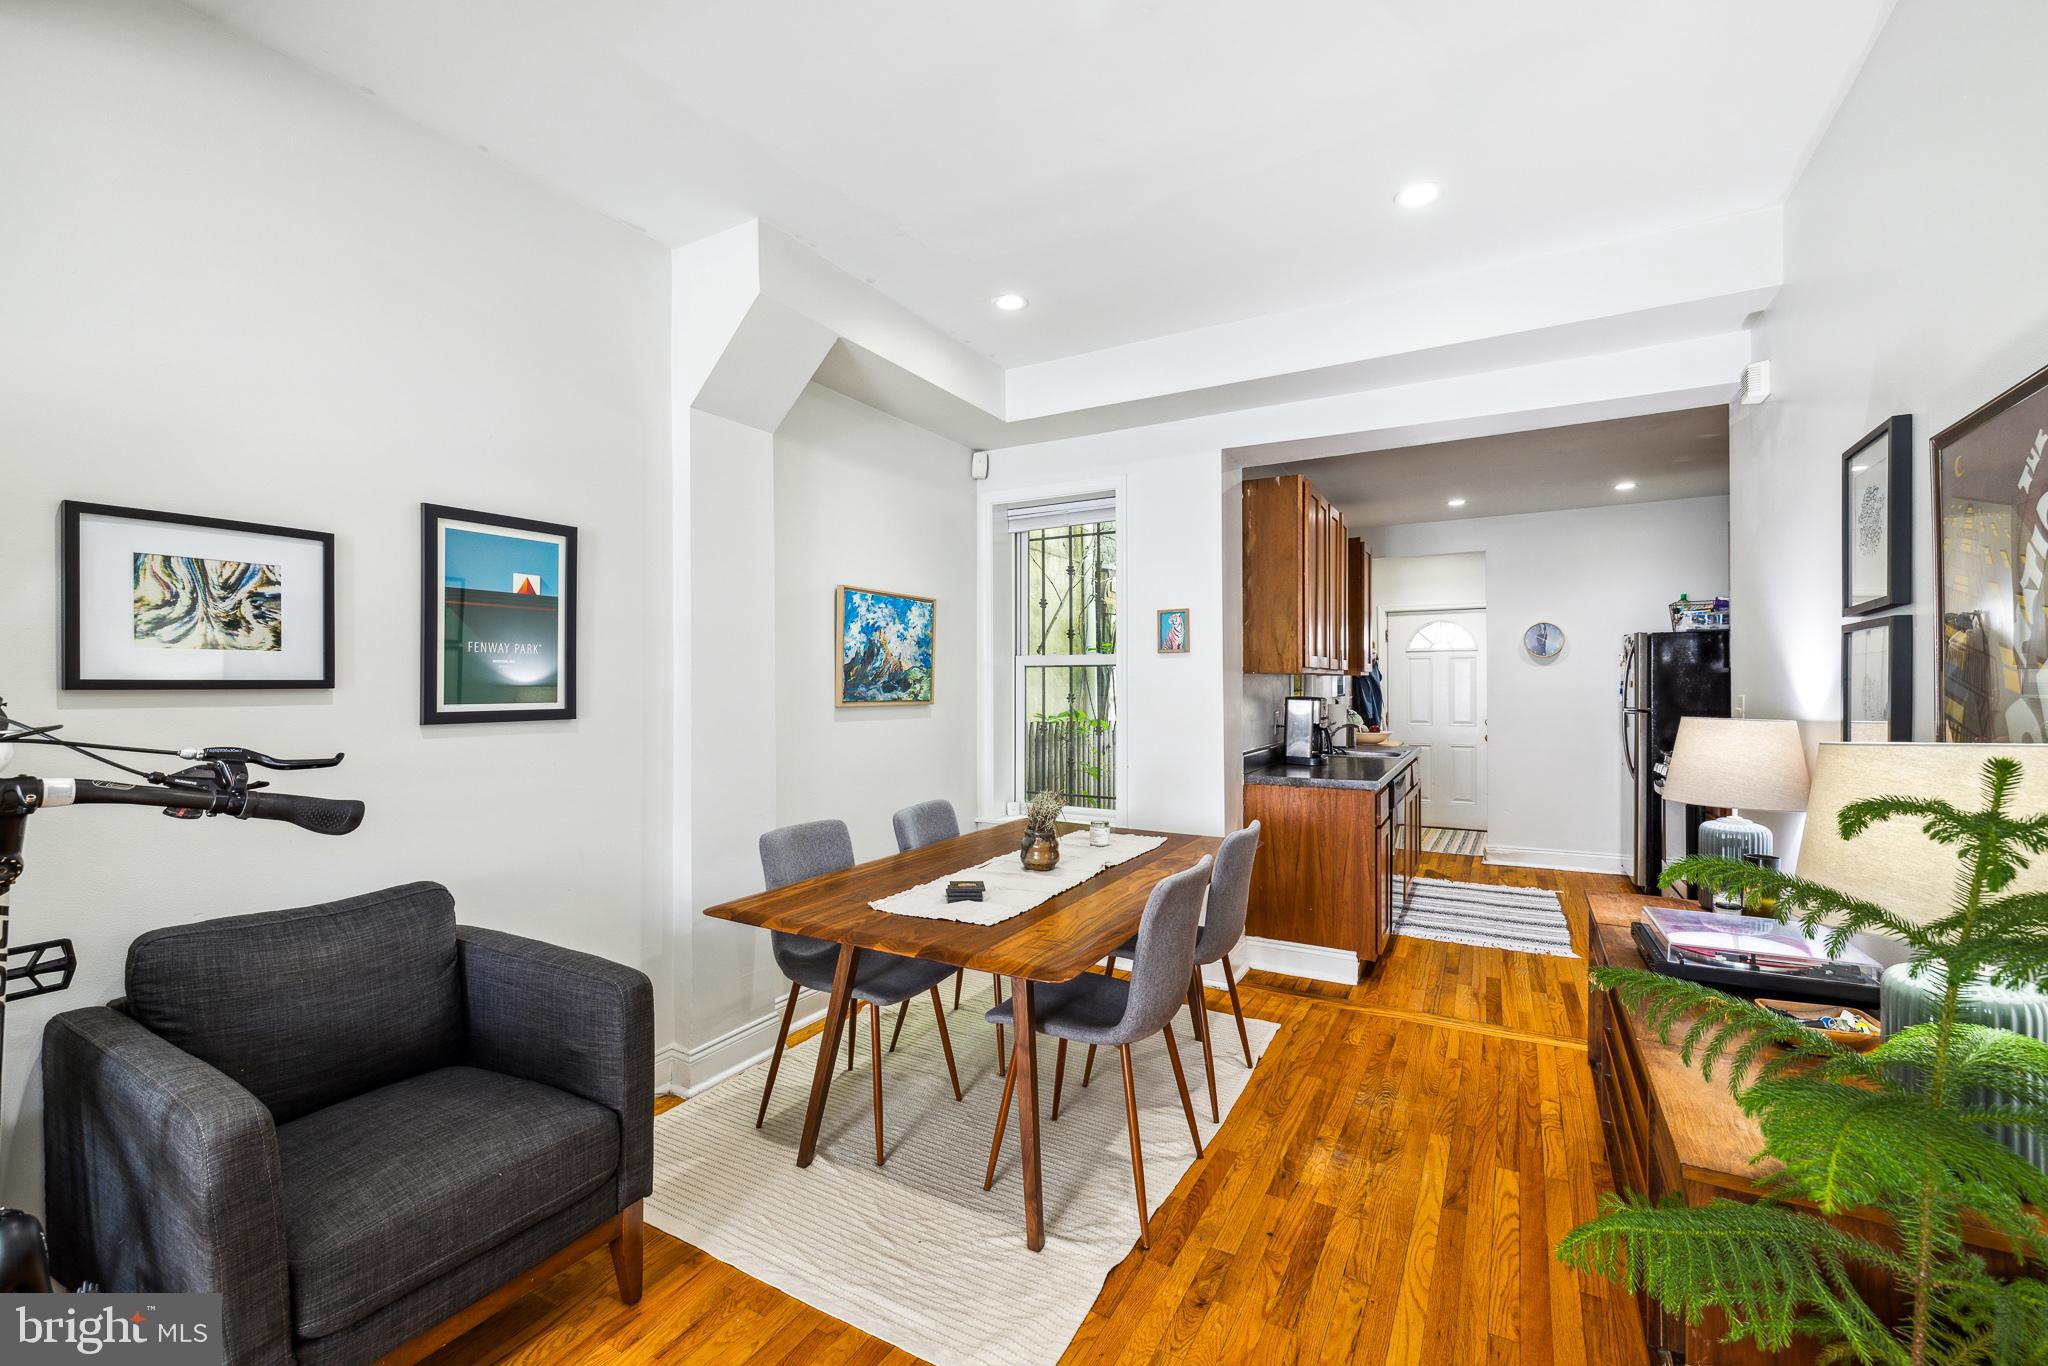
(1025, 1063)
(828, 1053)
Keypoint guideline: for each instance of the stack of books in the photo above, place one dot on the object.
(961, 889)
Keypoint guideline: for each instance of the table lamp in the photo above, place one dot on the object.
(1740, 764)
(1893, 863)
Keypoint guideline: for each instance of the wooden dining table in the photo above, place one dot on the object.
(1056, 941)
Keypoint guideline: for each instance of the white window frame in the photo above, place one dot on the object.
(1000, 630)
(1020, 661)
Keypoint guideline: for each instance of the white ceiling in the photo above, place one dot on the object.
(1680, 454)
(1134, 167)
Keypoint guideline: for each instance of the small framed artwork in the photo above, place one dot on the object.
(1173, 631)
(1877, 679)
(164, 600)
(497, 618)
(887, 644)
(1991, 570)
(1877, 528)
(1543, 642)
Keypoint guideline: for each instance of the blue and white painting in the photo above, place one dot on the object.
(885, 648)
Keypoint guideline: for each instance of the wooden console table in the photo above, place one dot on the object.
(1670, 1131)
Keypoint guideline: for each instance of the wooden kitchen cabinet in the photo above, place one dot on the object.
(1297, 580)
(1335, 863)
(1358, 612)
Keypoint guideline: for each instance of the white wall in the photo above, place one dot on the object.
(862, 498)
(1406, 583)
(234, 288)
(1915, 283)
(1553, 741)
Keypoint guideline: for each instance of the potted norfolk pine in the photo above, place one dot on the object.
(1900, 1129)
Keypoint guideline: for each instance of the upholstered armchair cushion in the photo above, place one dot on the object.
(309, 1006)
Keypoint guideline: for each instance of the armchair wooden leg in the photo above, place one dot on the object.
(995, 1148)
(1243, 1036)
(1088, 1066)
(775, 1058)
(901, 1012)
(1059, 1075)
(875, 1058)
(626, 1247)
(1198, 1006)
(945, 1042)
(1180, 1080)
(1137, 1153)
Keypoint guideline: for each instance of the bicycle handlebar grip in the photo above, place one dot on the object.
(321, 815)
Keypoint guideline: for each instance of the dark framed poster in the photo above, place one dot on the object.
(497, 618)
(1877, 524)
(1991, 569)
(167, 600)
(1877, 679)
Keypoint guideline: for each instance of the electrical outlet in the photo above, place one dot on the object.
(1741, 705)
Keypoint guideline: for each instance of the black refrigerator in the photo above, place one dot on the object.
(1665, 675)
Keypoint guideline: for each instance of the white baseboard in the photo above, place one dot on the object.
(1301, 960)
(692, 1070)
(1563, 860)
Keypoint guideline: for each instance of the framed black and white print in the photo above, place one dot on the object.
(497, 618)
(1877, 679)
(166, 600)
(1877, 527)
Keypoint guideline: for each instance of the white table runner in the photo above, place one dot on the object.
(1014, 889)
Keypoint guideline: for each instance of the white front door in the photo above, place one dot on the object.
(1436, 698)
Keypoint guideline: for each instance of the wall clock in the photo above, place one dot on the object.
(1544, 641)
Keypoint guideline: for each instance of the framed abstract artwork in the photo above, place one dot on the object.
(1173, 631)
(1877, 679)
(497, 618)
(1877, 525)
(886, 644)
(165, 600)
(1991, 569)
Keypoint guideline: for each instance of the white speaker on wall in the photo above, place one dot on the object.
(977, 464)
(1755, 384)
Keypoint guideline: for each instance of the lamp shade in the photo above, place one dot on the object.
(1893, 863)
(1720, 761)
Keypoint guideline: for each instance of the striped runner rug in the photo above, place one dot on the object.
(1441, 839)
(1525, 919)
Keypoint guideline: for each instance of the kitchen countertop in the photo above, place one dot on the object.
(1364, 771)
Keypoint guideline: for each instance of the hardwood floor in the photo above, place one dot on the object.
(1388, 1189)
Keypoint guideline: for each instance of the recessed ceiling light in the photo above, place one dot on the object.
(1419, 195)
(1010, 303)
(1624, 486)
(1457, 502)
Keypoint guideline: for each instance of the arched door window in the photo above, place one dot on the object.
(1441, 635)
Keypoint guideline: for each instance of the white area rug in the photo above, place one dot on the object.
(915, 1252)
(1526, 919)
(1013, 889)
(1442, 839)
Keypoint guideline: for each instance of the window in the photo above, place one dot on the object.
(1065, 684)
(1441, 635)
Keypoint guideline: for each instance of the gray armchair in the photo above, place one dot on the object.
(365, 1126)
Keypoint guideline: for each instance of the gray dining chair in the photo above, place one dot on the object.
(916, 826)
(794, 854)
(1116, 1012)
(1230, 891)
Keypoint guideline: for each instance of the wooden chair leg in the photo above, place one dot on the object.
(1137, 1153)
(1243, 1035)
(995, 1148)
(1109, 966)
(1002, 1053)
(626, 1253)
(852, 1031)
(875, 1058)
(1088, 1066)
(1059, 1075)
(959, 979)
(945, 1042)
(897, 1033)
(775, 1058)
(1198, 1002)
(1180, 1079)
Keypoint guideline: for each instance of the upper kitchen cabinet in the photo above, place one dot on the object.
(1297, 580)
